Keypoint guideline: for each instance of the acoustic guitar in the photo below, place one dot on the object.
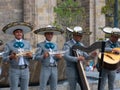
(111, 60)
(23, 53)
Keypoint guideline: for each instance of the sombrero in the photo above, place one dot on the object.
(49, 28)
(9, 28)
(109, 30)
(76, 30)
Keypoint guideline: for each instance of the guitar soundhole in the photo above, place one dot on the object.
(117, 53)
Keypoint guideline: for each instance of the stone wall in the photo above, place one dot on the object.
(10, 10)
(37, 12)
(40, 13)
(96, 19)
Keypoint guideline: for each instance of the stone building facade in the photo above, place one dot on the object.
(41, 13)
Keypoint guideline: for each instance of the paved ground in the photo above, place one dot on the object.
(94, 76)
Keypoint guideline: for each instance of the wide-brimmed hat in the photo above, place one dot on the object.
(11, 27)
(112, 31)
(49, 28)
(76, 30)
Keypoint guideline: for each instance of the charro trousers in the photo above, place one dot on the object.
(107, 75)
(19, 76)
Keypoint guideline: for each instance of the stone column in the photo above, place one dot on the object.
(44, 15)
(29, 15)
(96, 20)
(29, 10)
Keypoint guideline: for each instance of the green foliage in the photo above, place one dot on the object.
(68, 11)
(109, 7)
(109, 12)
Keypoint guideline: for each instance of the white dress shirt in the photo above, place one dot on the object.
(21, 59)
(51, 56)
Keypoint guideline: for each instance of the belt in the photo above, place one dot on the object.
(20, 67)
(52, 65)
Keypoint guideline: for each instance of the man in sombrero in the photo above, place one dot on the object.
(111, 43)
(72, 60)
(49, 70)
(19, 63)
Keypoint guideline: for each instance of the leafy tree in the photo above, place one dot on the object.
(108, 10)
(69, 13)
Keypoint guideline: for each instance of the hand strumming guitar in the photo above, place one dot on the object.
(59, 56)
(115, 51)
(13, 56)
(45, 55)
(28, 54)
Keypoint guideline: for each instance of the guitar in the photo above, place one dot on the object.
(23, 53)
(111, 60)
(58, 52)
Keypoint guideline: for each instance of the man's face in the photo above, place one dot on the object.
(18, 34)
(114, 38)
(77, 37)
(48, 36)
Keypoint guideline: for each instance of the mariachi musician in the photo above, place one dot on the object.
(49, 72)
(110, 45)
(71, 60)
(108, 59)
(19, 64)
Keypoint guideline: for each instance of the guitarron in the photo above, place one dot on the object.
(82, 76)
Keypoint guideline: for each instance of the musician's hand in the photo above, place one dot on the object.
(29, 54)
(115, 51)
(94, 54)
(46, 54)
(81, 58)
(13, 56)
(59, 56)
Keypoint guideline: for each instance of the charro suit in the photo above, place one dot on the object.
(108, 74)
(71, 64)
(17, 74)
(48, 72)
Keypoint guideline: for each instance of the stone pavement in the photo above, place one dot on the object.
(92, 79)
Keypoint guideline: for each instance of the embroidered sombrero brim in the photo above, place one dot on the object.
(109, 30)
(77, 30)
(55, 30)
(9, 28)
